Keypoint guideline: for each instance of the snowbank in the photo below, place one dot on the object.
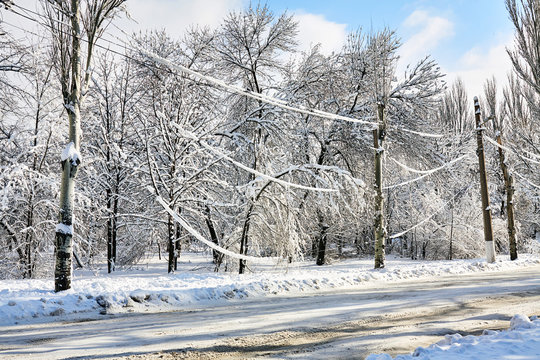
(151, 289)
(521, 341)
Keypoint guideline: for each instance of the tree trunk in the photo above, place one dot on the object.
(29, 240)
(110, 230)
(321, 248)
(243, 248)
(177, 246)
(486, 210)
(213, 235)
(509, 187)
(450, 250)
(244, 239)
(115, 228)
(170, 243)
(244, 242)
(380, 229)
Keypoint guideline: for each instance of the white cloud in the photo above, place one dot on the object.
(176, 16)
(478, 64)
(433, 29)
(314, 29)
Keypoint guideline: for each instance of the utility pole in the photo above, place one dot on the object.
(486, 209)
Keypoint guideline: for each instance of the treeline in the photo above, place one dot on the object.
(149, 129)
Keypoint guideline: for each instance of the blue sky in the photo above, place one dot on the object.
(477, 22)
(468, 37)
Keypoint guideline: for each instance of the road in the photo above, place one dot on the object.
(393, 317)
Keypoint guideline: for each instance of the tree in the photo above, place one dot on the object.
(28, 110)
(113, 176)
(497, 121)
(249, 45)
(179, 170)
(67, 46)
(393, 104)
(525, 57)
(454, 111)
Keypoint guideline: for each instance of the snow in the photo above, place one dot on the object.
(520, 321)
(519, 152)
(70, 152)
(420, 133)
(521, 341)
(70, 107)
(148, 288)
(425, 219)
(250, 170)
(64, 229)
(427, 173)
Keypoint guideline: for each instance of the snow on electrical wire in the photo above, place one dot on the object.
(491, 141)
(264, 98)
(429, 217)
(269, 99)
(420, 133)
(427, 173)
(526, 180)
(248, 169)
(245, 92)
(198, 236)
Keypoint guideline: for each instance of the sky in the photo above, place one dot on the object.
(467, 38)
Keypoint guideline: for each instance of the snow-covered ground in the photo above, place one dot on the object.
(148, 288)
(521, 341)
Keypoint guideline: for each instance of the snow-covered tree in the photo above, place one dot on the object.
(251, 46)
(69, 21)
(525, 57)
(180, 111)
(113, 174)
(28, 125)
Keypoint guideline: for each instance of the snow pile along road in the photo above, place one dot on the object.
(152, 290)
(521, 341)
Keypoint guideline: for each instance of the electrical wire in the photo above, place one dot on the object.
(248, 169)
(430, 172)
(198, 236)
(491, 141)
(245, 92)
(526, 180)
(429, 217)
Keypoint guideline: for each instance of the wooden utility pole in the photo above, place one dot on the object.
(509, 187)
(486, 209)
